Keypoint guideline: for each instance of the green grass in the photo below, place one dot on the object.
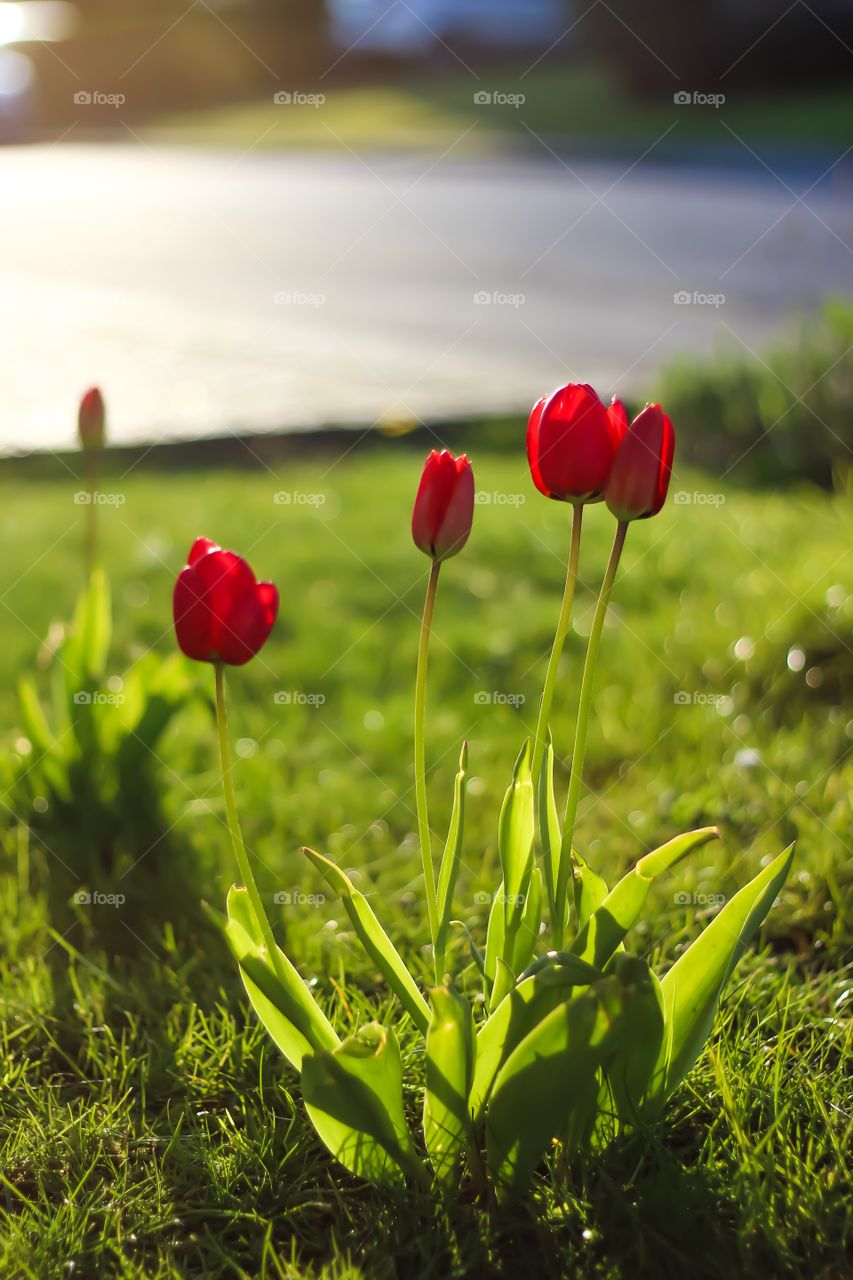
(150, 1129)
(564, 105)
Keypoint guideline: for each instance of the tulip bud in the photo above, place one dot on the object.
(91, 419)
(444, 506)
(222, 613)
(640, 476)
(571, 442)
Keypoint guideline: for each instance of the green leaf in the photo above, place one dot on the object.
(354, 1098)
(51, 756)
(87, 643)
(541, 1082)
(608, 924)
(515, 846)
(450, 1052)
(288, 1013)
(450, 860)
(590, 890)
(540, 990)
(531, 918)
(692, 987)
(629, 1070)
(375, 940)
(495, 934)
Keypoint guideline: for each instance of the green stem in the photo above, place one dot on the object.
(234, 828)
(562, 631)
(420, 765)
(91, 536)
(582, 724)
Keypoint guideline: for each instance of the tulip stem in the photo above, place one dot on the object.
(420, 765)
(234, 828)
(91, 536)
(581, 727)
(557, 647)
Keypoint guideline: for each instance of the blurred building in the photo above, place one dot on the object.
(420, 27)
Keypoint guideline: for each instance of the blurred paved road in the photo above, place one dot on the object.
(210, 293)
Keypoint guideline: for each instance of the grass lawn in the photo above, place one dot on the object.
(148, 1126)
(568, 106)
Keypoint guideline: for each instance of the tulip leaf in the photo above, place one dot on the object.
(630, 1069)
(495, 934)
(545, 1077)
(49, 751)
(375, 940)
(692, 987)
(537, 993)
(515, 845)
(449, 869)
(531, 918)
(608, 924)
(354, 1097)
(450, 1049)
(590, 889)
(87, 643)
(288, 1012)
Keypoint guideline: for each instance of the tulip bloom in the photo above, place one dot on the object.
(91, 419)
(640, 476)
(571, 443)
(222, 613)
(444, 506)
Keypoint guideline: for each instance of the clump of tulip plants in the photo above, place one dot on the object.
(573, 1038)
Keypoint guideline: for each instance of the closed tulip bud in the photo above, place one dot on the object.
(640, 477)
(571, 443)
(222, 613)
(91, 419)
(444, 506)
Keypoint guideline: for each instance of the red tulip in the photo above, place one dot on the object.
(444, 506)
(222, 613)
(91, 419)
(640, 476)
(571, 442)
